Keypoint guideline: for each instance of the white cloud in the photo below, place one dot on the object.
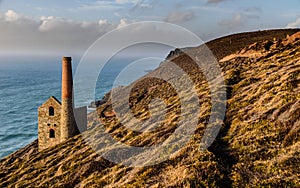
(215, 1)
(145, 4)
(237, 21)
(127, 1)
(99, 5)
(294, 24)
(212, 9)
(233, 23)
(11, 15)
(48, 35)
(123, 23)
(253, 9)
(102, 22)
(50, 23)
(175, 17)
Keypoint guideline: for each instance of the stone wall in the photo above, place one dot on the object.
(68, 124)
(46, 123)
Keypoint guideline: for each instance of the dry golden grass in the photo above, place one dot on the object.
(258, 144)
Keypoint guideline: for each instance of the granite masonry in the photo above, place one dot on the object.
(56, 120)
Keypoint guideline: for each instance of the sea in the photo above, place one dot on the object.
(26, 83)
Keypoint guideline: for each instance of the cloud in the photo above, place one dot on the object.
(102, 22)
(212, 9)
(215, 1)
(11, 15)
(144, 4)
(100, 5)
(123, 23)
(294, 24)
(253, 9)
(237, 21)
(48, 35)
(56, 36)
(175, 17)
(127, 1)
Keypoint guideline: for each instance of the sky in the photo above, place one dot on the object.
(52, 27)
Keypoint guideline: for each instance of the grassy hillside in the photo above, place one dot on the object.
(258, 144)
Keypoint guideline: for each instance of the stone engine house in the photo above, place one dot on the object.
(59, 121)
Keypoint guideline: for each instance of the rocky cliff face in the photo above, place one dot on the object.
(258, 144)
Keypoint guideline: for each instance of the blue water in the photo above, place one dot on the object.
(25, 85)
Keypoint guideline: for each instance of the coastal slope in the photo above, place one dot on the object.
(258, 144)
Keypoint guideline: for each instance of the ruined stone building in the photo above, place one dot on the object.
(56, 120)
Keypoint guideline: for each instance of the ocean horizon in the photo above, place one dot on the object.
(25, 85)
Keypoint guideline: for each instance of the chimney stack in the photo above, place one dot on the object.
(68, 124)
(67, 79)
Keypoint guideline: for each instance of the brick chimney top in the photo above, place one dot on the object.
(67, 78)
